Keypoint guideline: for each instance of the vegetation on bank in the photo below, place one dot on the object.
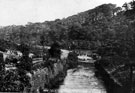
(29, 76)
(107, 30)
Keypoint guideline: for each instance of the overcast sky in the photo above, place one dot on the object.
(19, 12)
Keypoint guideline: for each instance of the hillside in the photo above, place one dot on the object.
(69, 31)
(86, 30)
(106, 30)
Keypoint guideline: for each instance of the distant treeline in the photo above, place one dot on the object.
(107, 30)
(106, 26)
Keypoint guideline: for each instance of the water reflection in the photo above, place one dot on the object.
(81, 80)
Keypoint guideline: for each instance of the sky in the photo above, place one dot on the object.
(20, 12)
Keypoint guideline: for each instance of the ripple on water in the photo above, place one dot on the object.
(81, 80)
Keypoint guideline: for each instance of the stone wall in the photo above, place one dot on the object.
(111, 83)
(42, 76)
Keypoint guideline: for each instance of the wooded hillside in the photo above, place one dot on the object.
(106, 25)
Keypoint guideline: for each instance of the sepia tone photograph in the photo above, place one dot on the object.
(67, 46)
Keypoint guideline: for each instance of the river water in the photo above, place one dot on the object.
(82, 80)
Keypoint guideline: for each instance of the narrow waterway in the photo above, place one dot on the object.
(82, 80)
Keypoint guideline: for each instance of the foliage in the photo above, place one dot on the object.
(107, 29)
(72, 60)
(84, 26)
(11, 82)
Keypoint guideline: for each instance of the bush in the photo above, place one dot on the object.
(72, 60)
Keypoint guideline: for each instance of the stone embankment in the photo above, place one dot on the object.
(44, 75)
(47, 75)
(112, 84)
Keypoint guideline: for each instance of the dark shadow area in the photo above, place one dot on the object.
(110, 85)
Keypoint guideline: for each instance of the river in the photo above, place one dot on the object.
(82, 80)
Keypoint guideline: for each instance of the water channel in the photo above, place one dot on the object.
(82, 80)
